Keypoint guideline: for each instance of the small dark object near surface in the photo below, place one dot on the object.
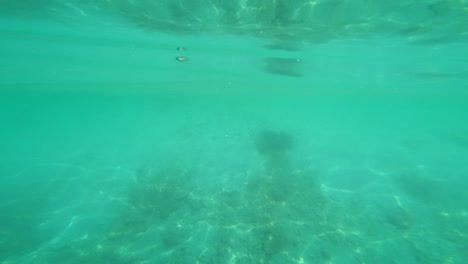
(271, 142)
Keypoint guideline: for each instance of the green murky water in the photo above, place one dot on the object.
(268, 131)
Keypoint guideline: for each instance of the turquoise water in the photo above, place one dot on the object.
(295, 132)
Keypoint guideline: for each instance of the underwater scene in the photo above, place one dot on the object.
(234, 131)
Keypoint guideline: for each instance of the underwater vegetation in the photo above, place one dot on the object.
(273, 146)
(270, 143)
(156, 197)
(169, 218)
(288, 201)
(280, 213)
(150, 221)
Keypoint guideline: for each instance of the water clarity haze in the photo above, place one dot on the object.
(247, 131)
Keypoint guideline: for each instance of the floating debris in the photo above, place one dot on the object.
(181, 58)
